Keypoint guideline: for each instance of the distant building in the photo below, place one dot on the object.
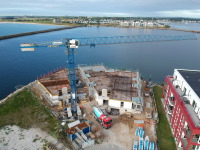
(124, 23)
(181, 99)
(56, 20)
(150, 24)
(137, 23)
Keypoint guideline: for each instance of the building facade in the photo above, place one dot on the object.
(181, 99)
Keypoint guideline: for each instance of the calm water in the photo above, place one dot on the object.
(186, 26)
(156, 58)
(13, 28)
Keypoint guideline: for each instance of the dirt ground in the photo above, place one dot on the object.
(122, 134)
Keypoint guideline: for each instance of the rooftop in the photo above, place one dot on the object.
(193, 79)
(73, 130)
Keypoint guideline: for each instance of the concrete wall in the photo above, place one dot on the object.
(113, 103)
(99, 101)
(52, 99)
(127, 106)
(93, 68)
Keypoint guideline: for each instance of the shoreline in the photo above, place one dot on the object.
(72, 25)
(17, 91)
(154, 28)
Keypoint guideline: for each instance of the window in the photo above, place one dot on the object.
(122, 104)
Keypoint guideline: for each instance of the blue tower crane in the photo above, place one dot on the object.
(72, 43)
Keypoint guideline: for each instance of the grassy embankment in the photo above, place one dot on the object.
(164, 135)
(25, 110)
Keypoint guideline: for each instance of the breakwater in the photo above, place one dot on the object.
(34, 32)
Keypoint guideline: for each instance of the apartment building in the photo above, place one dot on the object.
(181, 100)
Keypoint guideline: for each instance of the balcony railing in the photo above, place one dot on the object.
(195, 140)
(188, 132)
(184, 141)
(187, 107)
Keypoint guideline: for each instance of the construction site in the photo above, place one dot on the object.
(101, 108)
(115, 109)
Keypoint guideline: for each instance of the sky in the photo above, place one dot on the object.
(101, 8)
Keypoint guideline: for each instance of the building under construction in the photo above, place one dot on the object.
(54, 85)
(54, 89)
(117, 91)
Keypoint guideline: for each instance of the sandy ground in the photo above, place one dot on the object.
(121, 135)
(15, 138)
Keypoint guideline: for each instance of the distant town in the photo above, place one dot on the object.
(148, 22)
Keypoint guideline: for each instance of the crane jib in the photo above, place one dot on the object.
(131, 39)
(73, 43)
(92, 41)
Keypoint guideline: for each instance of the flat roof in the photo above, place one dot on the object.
(73, 130)
(193, 79)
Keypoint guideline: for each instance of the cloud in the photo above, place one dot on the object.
(2, 9)
(34, 4)
(116, 14)
(126, 8)
(181, 13)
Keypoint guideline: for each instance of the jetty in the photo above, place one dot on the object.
(35, 32)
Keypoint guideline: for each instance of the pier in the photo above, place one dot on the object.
(34, 32)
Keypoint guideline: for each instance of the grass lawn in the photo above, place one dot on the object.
(26, 111)
(164, 135)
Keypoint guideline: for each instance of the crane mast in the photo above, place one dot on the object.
(72, 43)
